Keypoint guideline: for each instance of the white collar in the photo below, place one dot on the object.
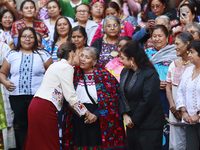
(74, 5)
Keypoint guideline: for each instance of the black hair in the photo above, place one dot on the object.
(163, 28)
(126, 38)
(80, 29)
(191, 7)
(37, 33)
(35, 45)
(195, 44)
(148, 9)
(64, 50)
(56, 35)
(24, 2)
(185, 37)
(3, 12)
(132, 49)
(84, 5)
(113, 5)
(55, 2)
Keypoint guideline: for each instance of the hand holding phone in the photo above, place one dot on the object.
(183, 12)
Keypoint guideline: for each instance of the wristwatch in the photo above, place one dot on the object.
(198, 113)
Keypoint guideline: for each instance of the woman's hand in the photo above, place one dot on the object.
(184, 20)
(194, 118)
(177, 30)
(177, 114)
(163, 85)
(9, 85)
(186, 117)
(150, 25)
(90, 118)
(127, 120)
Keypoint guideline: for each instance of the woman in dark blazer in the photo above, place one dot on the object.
(139, 101)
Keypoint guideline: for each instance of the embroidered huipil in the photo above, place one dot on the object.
(57, 84)
(105, 54)
(81, 92)
(188, 94)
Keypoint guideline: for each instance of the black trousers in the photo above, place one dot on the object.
(19, 105)
(140, 139)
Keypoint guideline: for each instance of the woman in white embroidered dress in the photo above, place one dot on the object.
(188, 97)
(25, 68)
(177, 138)
(57, 84)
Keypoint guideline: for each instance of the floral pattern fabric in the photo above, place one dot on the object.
(105, 54)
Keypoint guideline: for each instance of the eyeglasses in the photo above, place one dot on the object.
(24, 37)
(192, 32)
(112, 25)
(156, 6)
(9, 18)
(82, 11)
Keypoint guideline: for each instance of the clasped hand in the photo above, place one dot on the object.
(90, 118)
(190, 119)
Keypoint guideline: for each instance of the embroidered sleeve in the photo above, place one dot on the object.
(66, 80)
(79, 108)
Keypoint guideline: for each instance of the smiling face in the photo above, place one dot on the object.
(112, 28)
(86, 61)
(97, 10)
(194, 57)
(28, 10)
(7, 21)
(157, 7)
(27, 40)
(180, 47)
(159, 39)
(78, 39)
(82, 13)
(53, 9)
(63, 27)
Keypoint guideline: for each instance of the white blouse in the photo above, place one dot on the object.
(188, 94)
(81, 92)
(26, 71)
(57, 84)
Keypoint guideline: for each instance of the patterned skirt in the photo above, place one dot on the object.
(87, 136)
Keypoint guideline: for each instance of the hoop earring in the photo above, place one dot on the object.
(132, 65)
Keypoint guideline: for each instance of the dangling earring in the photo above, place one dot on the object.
(132, 65)
(187, 52)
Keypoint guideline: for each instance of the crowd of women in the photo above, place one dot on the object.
(100, 75)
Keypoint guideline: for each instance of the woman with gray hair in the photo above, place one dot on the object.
(177, 137)
(194, 29)
(107, 45)
(97, 90)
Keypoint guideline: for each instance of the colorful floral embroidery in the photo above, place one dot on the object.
(57, 96)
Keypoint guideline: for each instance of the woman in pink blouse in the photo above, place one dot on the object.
(177, 129)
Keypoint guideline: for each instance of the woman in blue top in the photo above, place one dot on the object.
(61, 35)
(161, 55)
